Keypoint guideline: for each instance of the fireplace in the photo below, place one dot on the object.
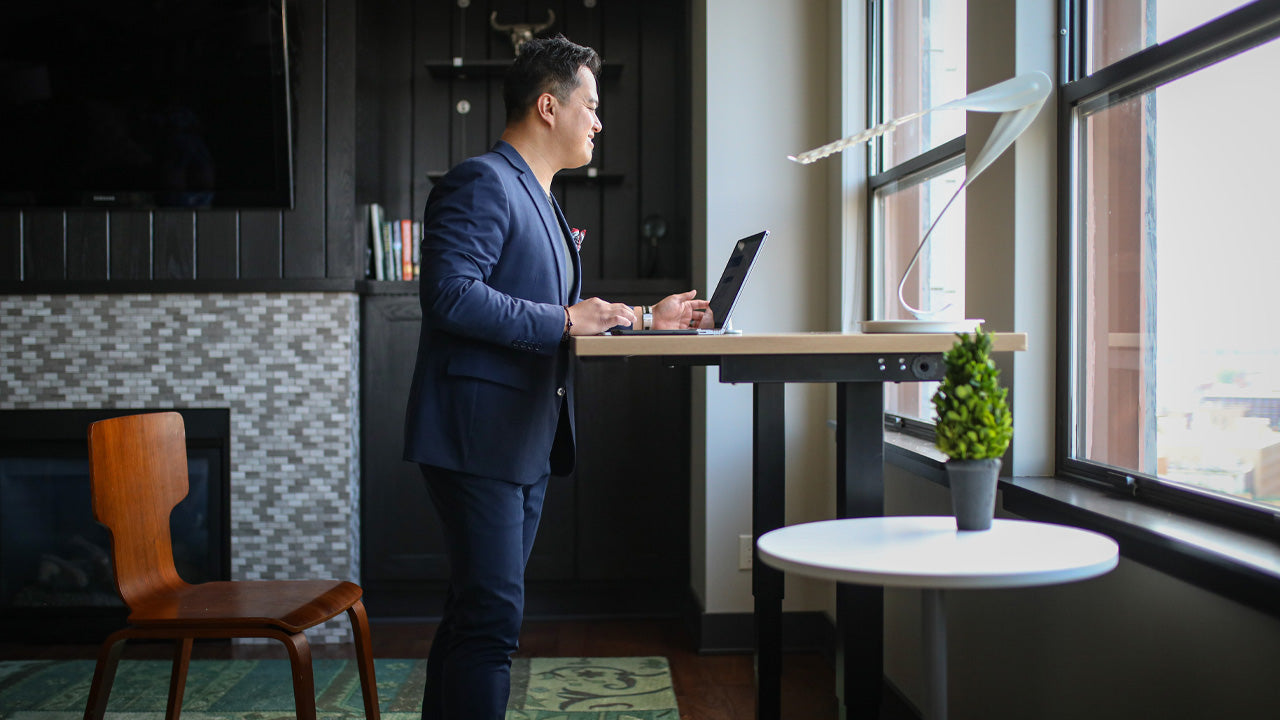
(56, 581)
(285, 364)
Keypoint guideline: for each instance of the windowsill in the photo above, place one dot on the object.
(1229, 562)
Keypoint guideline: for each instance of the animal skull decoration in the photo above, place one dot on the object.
(521, 33)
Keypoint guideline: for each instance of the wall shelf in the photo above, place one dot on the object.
(191, 285)
(387, 287)
(463, 69)
(617, 288)
(608, 287)
(574, 176)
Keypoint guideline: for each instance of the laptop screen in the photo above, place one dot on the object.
(735, 274)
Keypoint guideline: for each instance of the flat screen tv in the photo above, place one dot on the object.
(145, 103)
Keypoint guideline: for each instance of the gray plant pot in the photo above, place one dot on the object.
(973, 492)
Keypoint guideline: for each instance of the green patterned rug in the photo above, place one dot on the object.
(636, 688)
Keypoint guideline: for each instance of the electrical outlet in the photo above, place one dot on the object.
(744, 552)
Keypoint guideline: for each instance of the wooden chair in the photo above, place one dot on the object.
(138, 473)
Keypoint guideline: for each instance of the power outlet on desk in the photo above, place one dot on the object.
(928, 367)
(744, 552)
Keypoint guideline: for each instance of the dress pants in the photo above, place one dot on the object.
(489, 526)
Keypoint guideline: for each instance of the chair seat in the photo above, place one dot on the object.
(291, 605)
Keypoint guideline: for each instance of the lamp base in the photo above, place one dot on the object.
(920, 326)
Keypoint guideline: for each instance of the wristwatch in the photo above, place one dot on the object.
(648, 317)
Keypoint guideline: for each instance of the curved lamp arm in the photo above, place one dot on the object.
(1018, 99)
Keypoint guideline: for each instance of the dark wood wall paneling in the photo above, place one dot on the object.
(261, 244)
(620, 145)
(341, 258)
(218, 249)
(314, 240)
(130, 246)
(615, 532)
(174, 237)
(303, 252)
(409, 126)
(662, 193)
(86, 246)
(584, 203)
(10, 247)
(43, 248)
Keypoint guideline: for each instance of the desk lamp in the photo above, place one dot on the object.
(1018, 100)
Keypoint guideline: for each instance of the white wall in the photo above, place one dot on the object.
(761, 79)
(1135, 642)
(1010, 220)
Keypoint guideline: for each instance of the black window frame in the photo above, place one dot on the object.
(1224, 37)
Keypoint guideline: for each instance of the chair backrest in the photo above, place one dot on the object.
(137, 474)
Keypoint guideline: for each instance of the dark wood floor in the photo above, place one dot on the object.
(708, 687)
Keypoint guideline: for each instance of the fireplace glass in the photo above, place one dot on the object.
(54, 554)
(55, 558)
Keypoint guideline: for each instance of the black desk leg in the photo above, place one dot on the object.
(768, 494)
(860, 493)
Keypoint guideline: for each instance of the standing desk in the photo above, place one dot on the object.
(858, 364)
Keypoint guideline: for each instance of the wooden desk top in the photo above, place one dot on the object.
(779, 344)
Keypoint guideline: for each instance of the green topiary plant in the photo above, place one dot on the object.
(974, 422)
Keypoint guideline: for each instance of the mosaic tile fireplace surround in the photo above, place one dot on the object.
(286, 365)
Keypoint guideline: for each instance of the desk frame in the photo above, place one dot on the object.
(858, 365)
(859, 493)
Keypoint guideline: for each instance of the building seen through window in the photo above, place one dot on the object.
(1175, 352)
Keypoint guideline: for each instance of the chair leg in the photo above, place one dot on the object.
(178, 679)
(104, 674)
(304, 685)
(364, 659)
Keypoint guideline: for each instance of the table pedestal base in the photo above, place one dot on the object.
(933, 616)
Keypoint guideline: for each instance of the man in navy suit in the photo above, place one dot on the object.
(490, 413)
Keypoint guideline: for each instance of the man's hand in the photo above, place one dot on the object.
(704, 320)
(593, 316)
(679, 311)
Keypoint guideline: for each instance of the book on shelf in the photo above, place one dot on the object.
(375, 240)
(396, 249)
(388, 267)
(406, 248)
(417, 249)
(393, 247)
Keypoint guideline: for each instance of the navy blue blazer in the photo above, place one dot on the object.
(492, 391)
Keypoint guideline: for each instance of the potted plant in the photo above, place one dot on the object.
(974, 428)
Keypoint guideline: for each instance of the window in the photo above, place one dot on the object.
(1120, 28)
(1172, 352)
(917, 50)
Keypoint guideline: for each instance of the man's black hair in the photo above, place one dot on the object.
(545, 65)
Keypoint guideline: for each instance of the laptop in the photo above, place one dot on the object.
(726, 294)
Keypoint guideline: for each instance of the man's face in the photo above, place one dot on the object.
(578, 124)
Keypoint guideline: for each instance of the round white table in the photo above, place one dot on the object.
(930, 554)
